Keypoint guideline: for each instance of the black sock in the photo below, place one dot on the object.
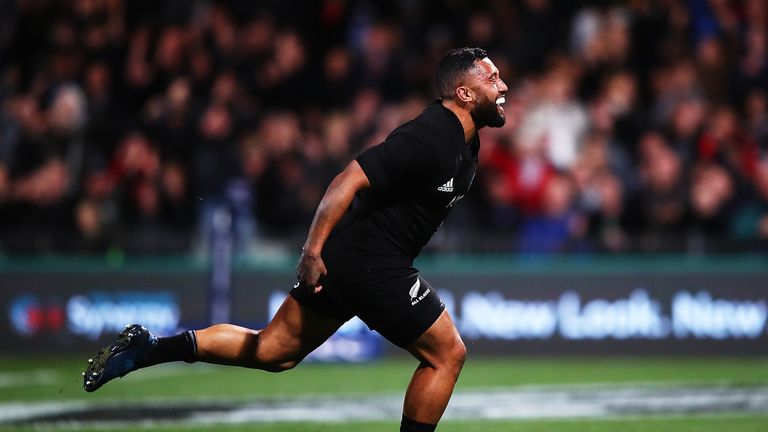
(409, 425)
(182, 347)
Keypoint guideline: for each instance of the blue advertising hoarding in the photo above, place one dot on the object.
(499, 308)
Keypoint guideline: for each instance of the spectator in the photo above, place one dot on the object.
(749, 222)
(630, 127)
(711, 193)
(559, 228)
(662, 195)
(556, 119)
(756, 111)
(607, 223)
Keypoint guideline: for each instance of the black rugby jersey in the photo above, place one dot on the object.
(417, 175)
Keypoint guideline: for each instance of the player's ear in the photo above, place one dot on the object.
(464, 94)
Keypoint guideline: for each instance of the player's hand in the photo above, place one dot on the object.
(309, 271)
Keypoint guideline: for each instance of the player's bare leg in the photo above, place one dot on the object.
(441, 352)
(294, 332)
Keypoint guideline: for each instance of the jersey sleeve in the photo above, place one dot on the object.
(400, 161)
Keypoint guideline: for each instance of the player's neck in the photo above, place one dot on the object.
(465, 118)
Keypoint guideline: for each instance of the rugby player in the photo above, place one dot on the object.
(372, 222)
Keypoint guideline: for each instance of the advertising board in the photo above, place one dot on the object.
(569, 311)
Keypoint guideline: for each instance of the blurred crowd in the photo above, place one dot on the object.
(134, 125)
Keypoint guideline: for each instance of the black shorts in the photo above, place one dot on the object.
(387, 294)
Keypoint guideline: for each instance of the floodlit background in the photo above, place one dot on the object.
(160, 162)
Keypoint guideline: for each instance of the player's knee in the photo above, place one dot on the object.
(458, 354)
(452, 357)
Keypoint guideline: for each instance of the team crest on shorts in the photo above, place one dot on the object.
(414, 292)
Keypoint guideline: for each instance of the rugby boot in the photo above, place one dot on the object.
(120, 358)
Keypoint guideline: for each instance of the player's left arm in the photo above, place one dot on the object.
(332, 207)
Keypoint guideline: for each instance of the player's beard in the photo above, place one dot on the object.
(487, 113)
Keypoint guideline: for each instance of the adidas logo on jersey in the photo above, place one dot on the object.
(447, 187)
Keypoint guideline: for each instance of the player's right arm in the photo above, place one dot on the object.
(332, 207)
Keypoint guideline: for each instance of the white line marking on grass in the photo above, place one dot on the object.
(18, 411)
(511, 404)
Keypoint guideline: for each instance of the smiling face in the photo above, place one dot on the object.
(488, 92)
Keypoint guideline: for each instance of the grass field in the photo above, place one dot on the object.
(54, 384)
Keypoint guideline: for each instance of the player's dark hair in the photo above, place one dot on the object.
(452, 67)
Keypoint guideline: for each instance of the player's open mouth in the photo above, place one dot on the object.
(500, 101)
